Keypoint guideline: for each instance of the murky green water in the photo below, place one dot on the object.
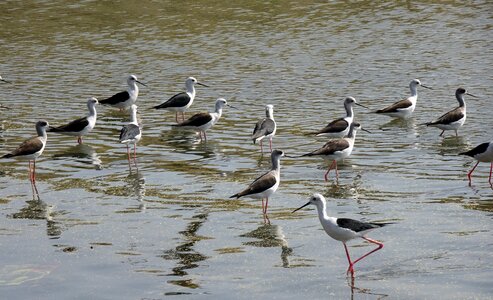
(102, 231)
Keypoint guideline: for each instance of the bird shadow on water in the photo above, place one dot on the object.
(36, 209)
(82, 153)
(268, 235)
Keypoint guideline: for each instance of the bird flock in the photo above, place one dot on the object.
(342, 134)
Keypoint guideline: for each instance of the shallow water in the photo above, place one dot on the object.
(103, 231)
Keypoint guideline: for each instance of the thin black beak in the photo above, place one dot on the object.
(140, 82)
(289, 156)
(199, 83)
(300, 207)
(365, 130)
(426, 87)
(361, 105)
(472, 95)
(6, 81)
(232, 106)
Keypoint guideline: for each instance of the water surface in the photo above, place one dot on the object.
(102, 230)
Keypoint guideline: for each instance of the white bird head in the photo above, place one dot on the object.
(132, 79)
(315, 199)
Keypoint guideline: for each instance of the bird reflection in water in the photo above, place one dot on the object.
(84, 154)
(269, 235)
(37, 209)
(184, 143)
(187, 257)
(357, 290)
(135, 181)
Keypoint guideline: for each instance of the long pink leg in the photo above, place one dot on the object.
(380, 246)
(135, 156)
(266, 205)
(176, 117)
(270, 145)
(183, 116)
(263, 205)
(350, 268)
(469, 175)
(330, 168)
(261, 148)
(34, 171)
(205, 136)
(128, 153)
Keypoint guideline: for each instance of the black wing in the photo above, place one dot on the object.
(260, 184)
(196, 120)
(334, 126)
(330, 147)
(476, 150)
(450, 117)
(129, 132)
(356, 225)
(178, 100)
(396, 106)
(28, 147)
(74, 126)
(263, 127)
(115, 99)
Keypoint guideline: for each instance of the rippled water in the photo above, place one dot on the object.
(103, 231)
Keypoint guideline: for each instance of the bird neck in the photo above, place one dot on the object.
(414, 90)
(92, 110)
(460, 98)
(133, 117)
(352, 133)
(269, 114)
(276, 164)
(322, 212)
(190, 89)
(133, 88)
(349, 110)
(41, 132)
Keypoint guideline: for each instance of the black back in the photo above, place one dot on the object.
(115, 99)
(129, 131)
(178, 100)
(356, 225)
(477, 150)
